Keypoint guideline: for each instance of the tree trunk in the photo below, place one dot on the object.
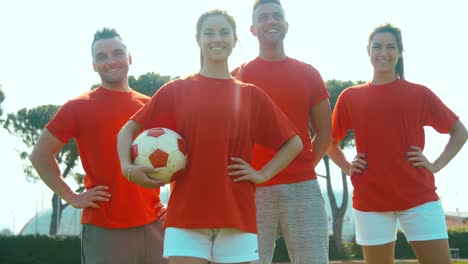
(56, 214)
(338, 212)
(57, 206)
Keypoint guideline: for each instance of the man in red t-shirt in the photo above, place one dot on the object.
(120, 219)
(291, 204)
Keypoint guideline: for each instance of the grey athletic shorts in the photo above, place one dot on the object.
(137, 245)
(296, 212)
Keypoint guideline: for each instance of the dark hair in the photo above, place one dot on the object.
(257, 3)
(261, 2)
(396, 32)
(105, 33)
(215, 12)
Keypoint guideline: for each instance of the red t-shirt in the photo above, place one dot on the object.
(94, 119)
(386, 120)
(219, 119)
(295, 87)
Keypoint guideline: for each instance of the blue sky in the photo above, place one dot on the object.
(46, 60)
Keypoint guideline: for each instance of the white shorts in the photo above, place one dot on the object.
(220, 245)
(420, 223)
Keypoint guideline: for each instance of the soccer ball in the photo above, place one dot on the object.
(160, 148)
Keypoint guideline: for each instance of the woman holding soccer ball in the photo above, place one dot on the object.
(392, 178)
(211, 213)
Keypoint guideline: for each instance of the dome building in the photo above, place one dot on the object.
(71, 220)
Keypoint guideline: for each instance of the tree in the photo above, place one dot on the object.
(335, 87)
(28, 125)
(6, 232)
(2, 98)
(148, 83)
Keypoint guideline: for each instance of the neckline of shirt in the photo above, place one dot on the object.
(113, 92)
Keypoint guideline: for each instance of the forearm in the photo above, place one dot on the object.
(337, 155)
(458, 137)
(283, 157)
(320, 123)
(320, 145)
(47, 168)
(124, 142)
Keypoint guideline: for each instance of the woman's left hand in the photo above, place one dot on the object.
(244, 172)
(162, 211)
(417, 159)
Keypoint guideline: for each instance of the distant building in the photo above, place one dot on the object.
(456, 219)
(40, 223)
(70, 223)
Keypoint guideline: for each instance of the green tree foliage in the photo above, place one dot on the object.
(147, 83)
(28, 124)
(2, 98)
(335, 87)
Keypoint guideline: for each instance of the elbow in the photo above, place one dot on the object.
(129, 130)
(298, 146)
(465, 134)
(329, 141)
(122, 131)
(459, 131)
(33, 157)
(330, 138)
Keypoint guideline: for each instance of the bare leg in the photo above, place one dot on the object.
(432, 251)
(380, 254)
(187, 260)
(236, 263)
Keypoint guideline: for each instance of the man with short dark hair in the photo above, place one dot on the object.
(291, 204)
(121, 220)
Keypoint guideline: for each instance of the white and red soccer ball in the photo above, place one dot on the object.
(160, 148)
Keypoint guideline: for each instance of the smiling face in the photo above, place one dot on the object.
(216, 39)
(111, 61)
(384, 53)
(269, 23)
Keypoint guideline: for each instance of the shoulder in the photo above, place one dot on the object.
(301, 65)
(139, 96)
(82, 98)
(355, 90)
(413, 85)
(415, 89)
(253, 63)
(246, 66)
(252, 89)
(244, 85)
(180, 82)
(175, 84)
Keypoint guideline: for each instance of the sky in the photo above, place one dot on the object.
(45, 59)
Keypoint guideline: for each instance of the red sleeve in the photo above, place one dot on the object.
(237, 72)
(320, 91)
(437, 114)
(159, 111)
(271, 126)
(63, 123)
(341, 121)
